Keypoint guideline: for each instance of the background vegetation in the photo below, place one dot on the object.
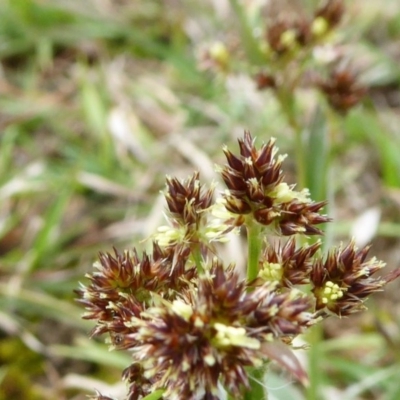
(100, 99)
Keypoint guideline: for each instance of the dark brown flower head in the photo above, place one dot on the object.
(286, 264)
(210, 335)
(255, 186)
(331, 11)
(342, 89)
(301, 217)
(251, 176)
(109, 282)
(123, 284)
(192, 217)
(344, 280)
(187, 199)
(283, 35)
(284, 314)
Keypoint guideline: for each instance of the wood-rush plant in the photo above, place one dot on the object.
(195, 328)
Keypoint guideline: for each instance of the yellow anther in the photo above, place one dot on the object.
(271, 271)
(331, 292)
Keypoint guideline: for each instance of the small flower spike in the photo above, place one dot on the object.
(287, 265)
(344, 280)
(190, 215)
(123, 285)
(187, 199)
(342, 89)
(255, 187)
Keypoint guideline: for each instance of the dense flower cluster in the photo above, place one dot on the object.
(345, 278)
(191, 215)
(188, 332)
(194, 327)
(342, 89)
(290, 37)
(290, 50)
(255, 186)
(285, 35)
(287, 264)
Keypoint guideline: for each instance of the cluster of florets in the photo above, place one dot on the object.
(189, 333)
(292, 41)
(286, 35)
(289, 45)
(255, 186)
(193, 218)
(342, 89)
(194, 326)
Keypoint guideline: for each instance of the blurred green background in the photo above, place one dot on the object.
(99, 99)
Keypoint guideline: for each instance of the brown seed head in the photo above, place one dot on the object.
(123, 286)
(186, 199)
(344, 280)
(342, 90)
(250, 176)
(286, 264)
(192, 216)
(255, 183)
(301, 217)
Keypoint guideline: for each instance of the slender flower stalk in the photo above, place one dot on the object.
(195, 328)
(254, 248)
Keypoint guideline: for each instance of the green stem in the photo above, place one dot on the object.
(300, 160)
(257, 391)
(254, 242)
(198, 259)
(314, 363)
(287, 102)
(250, 43)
